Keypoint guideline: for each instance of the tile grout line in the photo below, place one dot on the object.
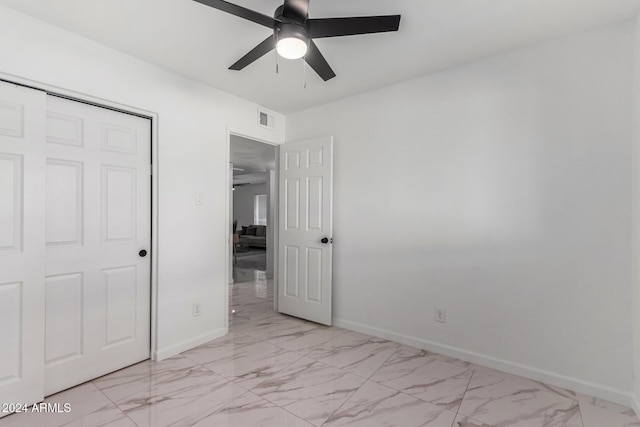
(310, 350)
(345, 401)
(580, 411)
(199, 365)
(228, 402)
(281, 407)
(330, 415)
(246, 390)
(275, 373)
(366, 379)
(410, 395)
(115, 404)
(383, 363)
(462, 398)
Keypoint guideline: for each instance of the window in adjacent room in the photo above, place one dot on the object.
(260, 209)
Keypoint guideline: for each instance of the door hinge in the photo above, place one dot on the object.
(150, 169)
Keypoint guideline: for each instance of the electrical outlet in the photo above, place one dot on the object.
(199, 199)
(440, 315)
(196, 310)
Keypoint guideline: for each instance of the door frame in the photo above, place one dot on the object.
(228, 220)
(127, 109)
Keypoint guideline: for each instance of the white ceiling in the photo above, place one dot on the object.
(200, 42)
(253, 157)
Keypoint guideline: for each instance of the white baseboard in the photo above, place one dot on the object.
(586, 387)
(188, 344)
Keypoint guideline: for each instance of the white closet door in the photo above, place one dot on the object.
(98, 197)
(22, 253)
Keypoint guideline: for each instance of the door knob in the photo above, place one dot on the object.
(142, 253)
(325, 240)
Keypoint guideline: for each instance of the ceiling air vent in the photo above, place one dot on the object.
(266, 120)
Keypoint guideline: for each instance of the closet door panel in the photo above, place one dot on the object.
(22, 244)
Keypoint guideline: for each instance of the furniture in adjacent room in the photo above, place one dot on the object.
(253, 235)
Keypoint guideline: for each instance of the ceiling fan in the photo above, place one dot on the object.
(294, 31)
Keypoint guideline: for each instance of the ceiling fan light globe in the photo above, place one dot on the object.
(291, 48)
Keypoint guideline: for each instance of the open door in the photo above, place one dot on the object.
(306, 228)
(22, 246)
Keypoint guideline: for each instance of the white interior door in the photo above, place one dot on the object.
(305, 228)
(22, 253)
(98, 199)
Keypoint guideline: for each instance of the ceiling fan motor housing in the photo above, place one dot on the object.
(284, 31)
(285, 14)
(290, 24)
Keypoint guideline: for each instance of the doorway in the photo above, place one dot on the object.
(253, 222)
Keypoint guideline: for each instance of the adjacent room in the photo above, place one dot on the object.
(253, 164)
(320, 213)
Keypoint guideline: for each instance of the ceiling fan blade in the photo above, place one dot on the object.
(337, 27)
(299, 7)
(316, 61)
(256, 53)
(241, 12)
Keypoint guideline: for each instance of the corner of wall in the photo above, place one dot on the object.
(173, 350)
(635, 215)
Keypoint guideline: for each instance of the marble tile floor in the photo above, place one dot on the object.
(243, 275)
(275, 370)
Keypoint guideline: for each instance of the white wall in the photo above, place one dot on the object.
(243, 202)
(636, 222)
(499, 190)
(193, 122)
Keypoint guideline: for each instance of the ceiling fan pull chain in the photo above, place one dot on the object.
(277, 71)
(304, 73)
